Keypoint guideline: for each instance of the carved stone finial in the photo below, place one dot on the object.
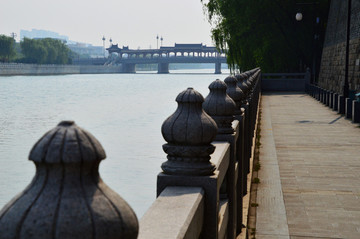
(252, 79)
(234, 92)
(67, 197)
(241, 78)
(247, 82)
(220, 107)
(189, 132)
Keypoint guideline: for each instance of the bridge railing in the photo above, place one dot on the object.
(210, 144)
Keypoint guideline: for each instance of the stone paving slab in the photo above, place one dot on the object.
(272, 223)
(318, 156)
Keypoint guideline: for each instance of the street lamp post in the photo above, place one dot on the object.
(103, 39)
(299, 17)
(157, 41)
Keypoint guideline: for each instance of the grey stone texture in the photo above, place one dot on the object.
(271, 219)
(220, 107)
(317, 153)
(332, 70)
(235, 92)
(67, 198)
(189, 133)
(186, 205)
(211, 185)
(356, 112)
(241, 82)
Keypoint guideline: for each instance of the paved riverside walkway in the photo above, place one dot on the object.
(310, 170)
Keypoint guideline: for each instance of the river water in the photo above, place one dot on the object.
(123, 111)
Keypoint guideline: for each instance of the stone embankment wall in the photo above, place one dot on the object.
(332, 70)
(34, 69)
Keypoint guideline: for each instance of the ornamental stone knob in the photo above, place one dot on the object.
(220, 107)
(241, 82)
(234, 92)
(247, 81)
(189, 132)
(252, 79)
(67, 197)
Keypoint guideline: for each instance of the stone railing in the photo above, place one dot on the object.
(202, 185)
(210, 143)
(285, 81)
(350, 107)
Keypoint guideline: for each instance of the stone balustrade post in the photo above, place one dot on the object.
(242, 114)
(355, 111)
(336, 101)
(325, 97)
(221, 108)
(307, 79)
(348, 108)
(327, 103)
(189, 132)
(341, 104)
(67, 197)
(318, 93)
(331, 99)
(235, 92)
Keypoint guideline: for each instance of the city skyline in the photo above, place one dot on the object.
(129, 23)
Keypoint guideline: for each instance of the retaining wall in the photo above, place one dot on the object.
(34, 69)
(332, 70)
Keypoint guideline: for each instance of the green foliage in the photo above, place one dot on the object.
(257, 167)
(265, 33)
(45, 51)
(7, 49)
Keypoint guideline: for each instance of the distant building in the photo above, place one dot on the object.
(35, 34)
(87, 50)
(84, 50)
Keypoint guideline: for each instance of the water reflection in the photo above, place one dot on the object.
(124, 112)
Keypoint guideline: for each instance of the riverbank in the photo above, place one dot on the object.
(9, 69)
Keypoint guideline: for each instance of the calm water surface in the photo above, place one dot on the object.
(123, 111)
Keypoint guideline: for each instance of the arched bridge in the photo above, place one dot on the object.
(179, 53)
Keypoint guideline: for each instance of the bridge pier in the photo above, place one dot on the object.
(218, 68)
(128, 67)
(163, 68)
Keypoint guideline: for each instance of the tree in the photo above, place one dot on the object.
(265, 33)
(45, 51)
(7, 49)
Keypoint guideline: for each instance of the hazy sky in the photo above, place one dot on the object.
(128, 22)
